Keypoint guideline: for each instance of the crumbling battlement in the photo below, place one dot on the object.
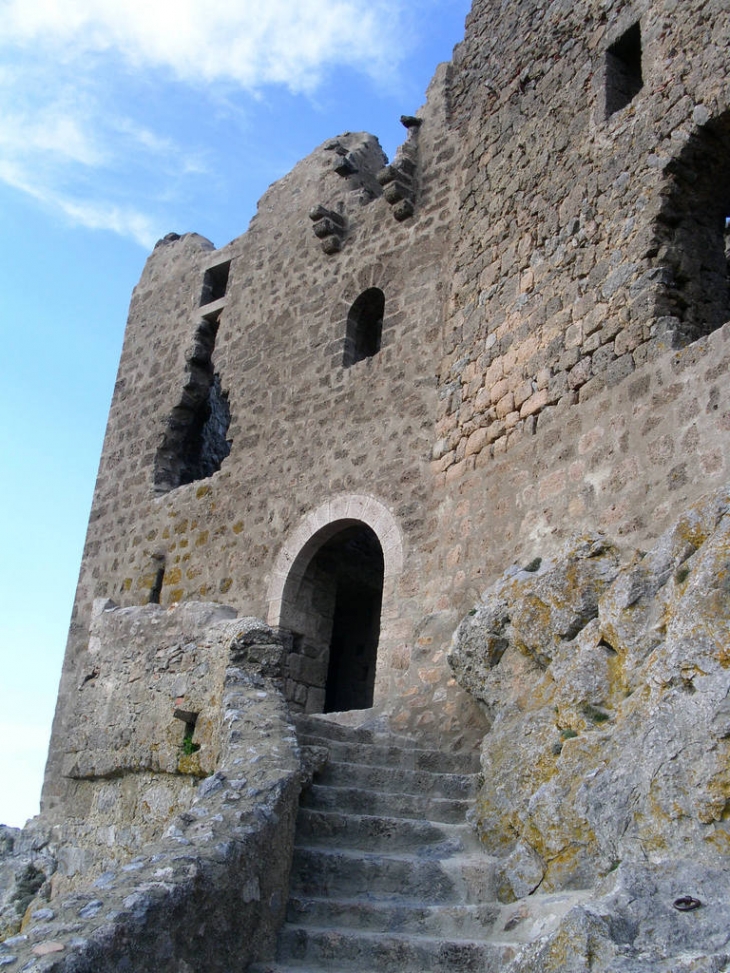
(348, 421)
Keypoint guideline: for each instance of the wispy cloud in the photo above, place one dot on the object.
(48, 131)
(252, 44)
(72, 138)
(125, 221)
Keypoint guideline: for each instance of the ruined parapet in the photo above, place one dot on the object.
(356, 160)
(213, 885)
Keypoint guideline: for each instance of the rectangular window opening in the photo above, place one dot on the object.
(624, 79)
(215, 283)
(188, 745)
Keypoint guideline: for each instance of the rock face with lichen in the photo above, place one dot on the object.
(606, 685)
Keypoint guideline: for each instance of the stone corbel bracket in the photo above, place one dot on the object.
(399, 179)
(329, 227)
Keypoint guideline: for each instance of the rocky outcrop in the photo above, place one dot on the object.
(26, 866)
(606, 762)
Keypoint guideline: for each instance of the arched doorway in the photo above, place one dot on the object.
(331, 609)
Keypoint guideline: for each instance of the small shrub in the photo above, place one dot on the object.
(534, 565)
(189, 747)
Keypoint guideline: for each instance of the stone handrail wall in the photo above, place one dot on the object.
(213, 888)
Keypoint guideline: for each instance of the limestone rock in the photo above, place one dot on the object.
(634, 926)
(607, 757)
(26, 867)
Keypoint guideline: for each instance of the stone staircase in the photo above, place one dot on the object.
(387, 874)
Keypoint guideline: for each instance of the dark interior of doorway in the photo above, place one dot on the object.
(354, 560)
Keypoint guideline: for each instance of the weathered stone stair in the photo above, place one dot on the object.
(387, 874)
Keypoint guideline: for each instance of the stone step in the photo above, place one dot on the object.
(368, 832)
(345, 874)
(386, 873)
(381, 755)
(324, 727)
(358, 800)
(357, 950)
(323, 872)
(455, 921)
(394, 780)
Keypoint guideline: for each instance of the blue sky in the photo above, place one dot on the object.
(119, 123)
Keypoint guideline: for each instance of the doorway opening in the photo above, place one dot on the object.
(333, 615)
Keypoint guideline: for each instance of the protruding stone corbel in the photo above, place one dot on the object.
(399, 178)
(329, 227)
(344, 166)
(342, 162)
(398, 185)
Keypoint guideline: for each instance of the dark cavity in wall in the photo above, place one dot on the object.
(364, 329)
(215, 283)
(624, 79)
(195, 444)
(158, 565)
(692, 236)
(333, 612)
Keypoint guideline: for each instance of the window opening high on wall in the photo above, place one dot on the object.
(624, 79)
(364, 330)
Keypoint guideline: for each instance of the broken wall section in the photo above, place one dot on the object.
(213, 883)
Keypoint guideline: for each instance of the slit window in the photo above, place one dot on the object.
(624, 79)
(156, 589)
(188, 746)
(364, 331)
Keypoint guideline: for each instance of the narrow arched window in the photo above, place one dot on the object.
(364, 327)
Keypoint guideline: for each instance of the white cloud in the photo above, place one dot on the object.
(73, 140)
(48, 131)
(250, 44)
(125, 221)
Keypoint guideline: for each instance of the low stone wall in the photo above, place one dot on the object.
(210, 891)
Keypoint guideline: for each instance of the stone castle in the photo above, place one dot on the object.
(328, 441)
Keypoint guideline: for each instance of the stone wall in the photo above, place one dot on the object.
(130, 885)
(518, 329)
(548, 244)
(626, 462)
(579, 254)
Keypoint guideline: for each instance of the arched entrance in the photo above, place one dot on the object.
(331, 608)
(352, 543)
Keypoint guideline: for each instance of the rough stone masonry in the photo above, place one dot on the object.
(348, 422)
